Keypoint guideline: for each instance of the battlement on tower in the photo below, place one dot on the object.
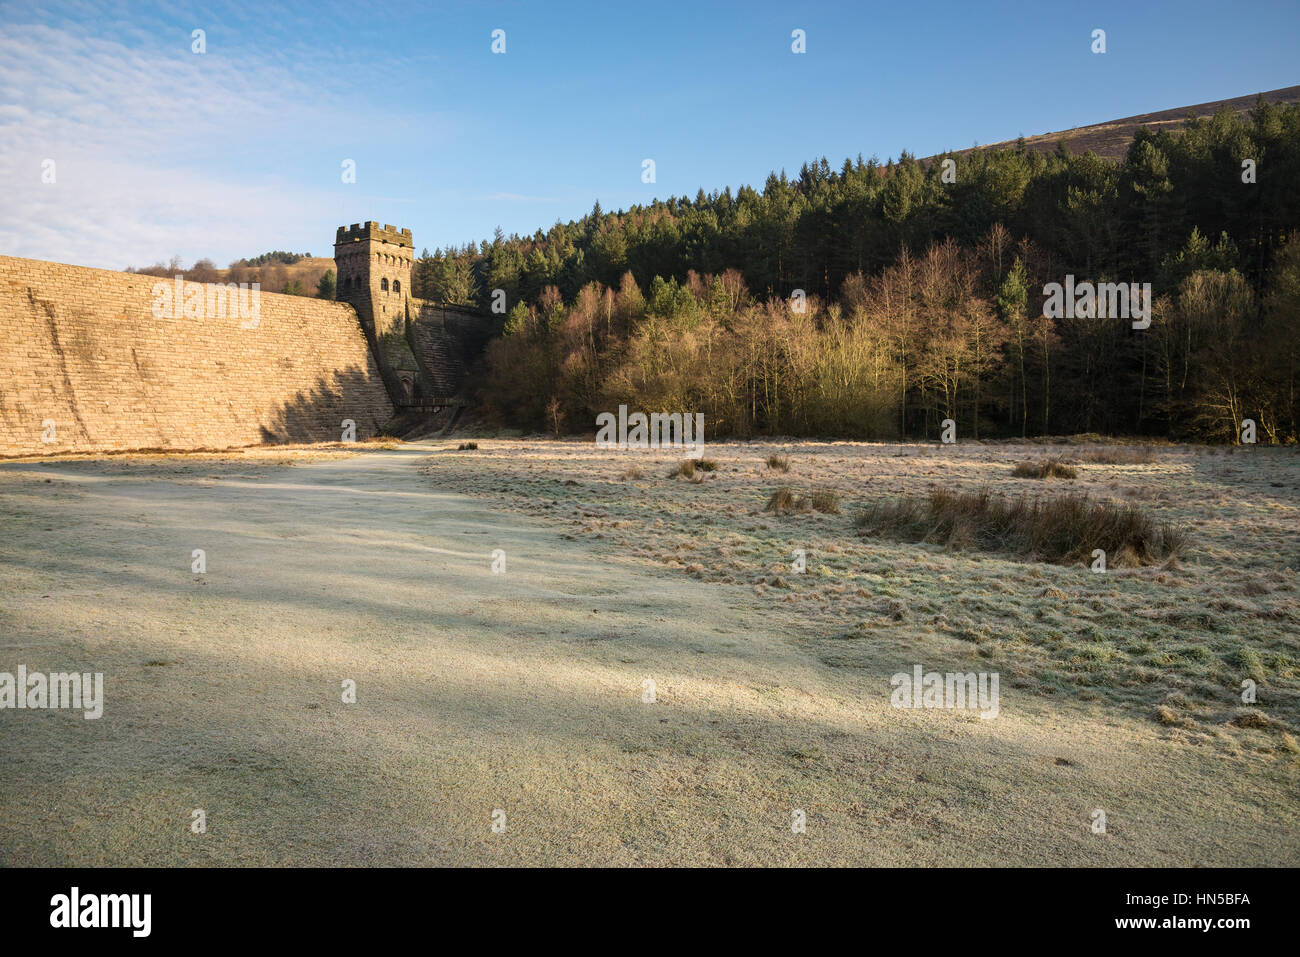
(358, 232)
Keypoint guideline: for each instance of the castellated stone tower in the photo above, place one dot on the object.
(374, 277)
(374, 274)
(423, 350)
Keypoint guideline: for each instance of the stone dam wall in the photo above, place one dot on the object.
(85, 362)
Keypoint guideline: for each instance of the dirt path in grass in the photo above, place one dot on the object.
(519, 692)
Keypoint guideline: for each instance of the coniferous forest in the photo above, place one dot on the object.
(876, 300)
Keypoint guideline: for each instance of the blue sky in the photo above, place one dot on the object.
(159, 151)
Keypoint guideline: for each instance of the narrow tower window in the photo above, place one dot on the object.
(383, 284)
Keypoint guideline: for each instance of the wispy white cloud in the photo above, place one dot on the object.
(161, 151)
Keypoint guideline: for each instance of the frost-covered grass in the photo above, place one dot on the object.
(1172, 641)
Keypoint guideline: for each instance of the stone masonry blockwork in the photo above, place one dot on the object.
(82, 348)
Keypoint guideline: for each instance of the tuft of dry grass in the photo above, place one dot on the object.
(1044, 468)
(825, 501)
(467, 447)
(1062, 530)
(632, 474)
(1251, 718)
(778, 463)
(685, 468)
(706, 465)
(1170, 718)
(784, 500)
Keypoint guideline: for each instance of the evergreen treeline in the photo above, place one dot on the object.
(923, 297)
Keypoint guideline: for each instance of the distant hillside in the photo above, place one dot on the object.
(273, 276)
(1110, 140)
